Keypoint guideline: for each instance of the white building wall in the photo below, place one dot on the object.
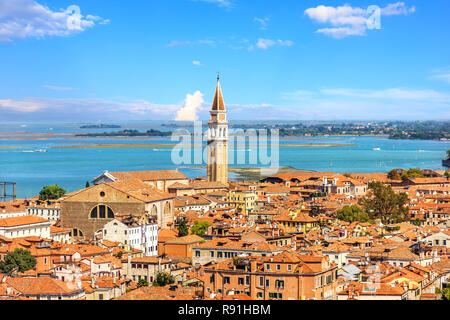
(39, 229)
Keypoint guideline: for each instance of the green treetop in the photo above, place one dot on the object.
(200, 228)
(412, 173)
(183, 228)
(352, 213)
(51, 193)
(19, 259)
(384, 203)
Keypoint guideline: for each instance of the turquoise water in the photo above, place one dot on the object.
(71, 168)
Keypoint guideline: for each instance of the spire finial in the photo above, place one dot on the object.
(218, 76)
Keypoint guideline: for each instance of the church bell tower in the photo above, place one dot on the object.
(217, 169)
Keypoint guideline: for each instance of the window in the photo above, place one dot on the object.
(278, 267)
(259, 295)
(197, 253)
(267, 283)
(241, 280)
(226, 280)
(289, 267)
(94, 213)
(279, 284)
(275, 295)
(102, 212)
(212, 254)
(261, 281)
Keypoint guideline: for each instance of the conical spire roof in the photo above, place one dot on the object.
(218, 104)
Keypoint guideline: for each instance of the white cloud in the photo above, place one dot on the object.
(441, 75)
(263, 22)
(26, 18)
(192, 105)
(353, 104)
(21, 106)
(265, 44)
(64, 108)
(350, 21)
(392, 93)
(398, 8)
(196, 63)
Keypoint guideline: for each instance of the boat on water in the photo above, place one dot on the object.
(376, 149)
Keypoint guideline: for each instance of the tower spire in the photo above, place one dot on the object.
(218, 103)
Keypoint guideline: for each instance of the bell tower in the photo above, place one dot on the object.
(217, 169)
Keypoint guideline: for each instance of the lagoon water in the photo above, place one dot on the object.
(72, 167)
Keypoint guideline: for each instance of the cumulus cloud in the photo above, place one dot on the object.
(26, 18)
(192, 105)
(347, 21)
(196, 63)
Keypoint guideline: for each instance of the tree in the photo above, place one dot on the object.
(142, 283)
(383, 203)
(183, 228)
(447, 174)
(200, 228)
(412, 173)
(352, 213)
(446, 294)
(51, 193)
(87, 184)
(394, 175)
(20, 259)
(163, 279)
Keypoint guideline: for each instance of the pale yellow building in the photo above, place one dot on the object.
(243, 200)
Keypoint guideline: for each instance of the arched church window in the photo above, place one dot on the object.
(94, 213)
(102, 212)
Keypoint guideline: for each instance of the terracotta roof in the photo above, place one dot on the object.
(185, 240)
(150, 175)
(44, 285)
(23, 220)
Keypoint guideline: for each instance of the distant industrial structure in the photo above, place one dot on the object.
(7, 191)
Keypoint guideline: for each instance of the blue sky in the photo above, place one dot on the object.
(278, 59)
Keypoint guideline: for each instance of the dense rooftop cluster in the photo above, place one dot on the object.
(292, 236)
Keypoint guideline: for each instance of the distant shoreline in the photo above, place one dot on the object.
(159, 145)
